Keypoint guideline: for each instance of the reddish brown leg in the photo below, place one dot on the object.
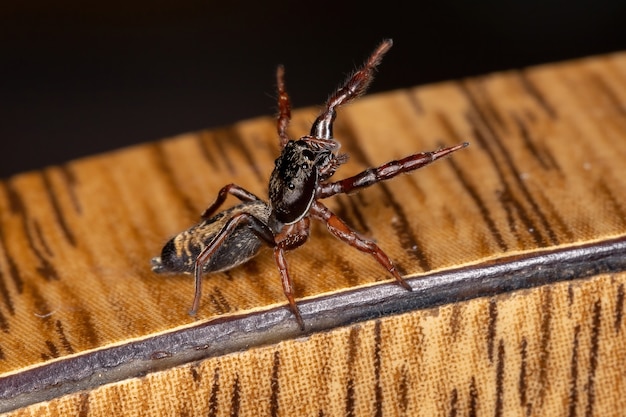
(341, 230)
(231, 189)
(384, 172)
(355, 86)
(257, 226)
(284, 107)
(281, 262)
(289, 238)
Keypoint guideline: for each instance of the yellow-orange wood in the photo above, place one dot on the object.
(544, 169)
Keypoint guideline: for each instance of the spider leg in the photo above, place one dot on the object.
(289, 238)
(281, 262)
(384, 172)
(284, 107)
(353, 87)
(339, 229)
(232, 189)
(260, 229)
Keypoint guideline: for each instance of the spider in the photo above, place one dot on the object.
(297, 184)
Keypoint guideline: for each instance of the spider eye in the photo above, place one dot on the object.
(308, 155)
(291, 186)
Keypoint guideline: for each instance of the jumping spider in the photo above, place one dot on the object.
(299, 181)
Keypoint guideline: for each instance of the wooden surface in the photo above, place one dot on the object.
(543, 175)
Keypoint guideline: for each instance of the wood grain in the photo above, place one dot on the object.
(555, 350)
(543, 173)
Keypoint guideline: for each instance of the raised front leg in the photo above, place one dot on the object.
(355, 86)
(284, 107)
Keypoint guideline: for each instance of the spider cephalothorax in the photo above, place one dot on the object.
(297, 173)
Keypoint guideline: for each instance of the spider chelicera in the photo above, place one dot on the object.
(299, 181)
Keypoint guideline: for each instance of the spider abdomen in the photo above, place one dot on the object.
(180, 253)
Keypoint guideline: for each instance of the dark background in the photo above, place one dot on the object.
(78, 79)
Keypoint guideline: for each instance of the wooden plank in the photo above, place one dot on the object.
(543, 173)
(557, 350)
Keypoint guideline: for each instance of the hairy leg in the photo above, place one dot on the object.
(259, 230)
(284, 107)
(354, 87)
(384, 172)
(339, 229)
(231, 189)
(291, 237)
